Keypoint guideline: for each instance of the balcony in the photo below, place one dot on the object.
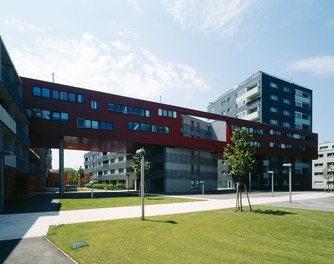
(7, 120)
(249, 95)
(253, 116)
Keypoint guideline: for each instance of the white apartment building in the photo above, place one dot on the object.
(325, 158)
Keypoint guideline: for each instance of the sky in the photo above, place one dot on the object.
(180, 52)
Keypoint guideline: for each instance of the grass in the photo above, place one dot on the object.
(269, 235)
(105, 202)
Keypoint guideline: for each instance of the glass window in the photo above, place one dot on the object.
(286, 101)
(273, 85)
(36, 91)
(63, 95)
(81, 98)
(46, 92)
(80, 122)
(36, 113)
(88, 124)
(29, 112)
(93, 104)
(287, 89)
(56, 116)
(95, 124)
(160, 112)
(71, 97)
(64, 116)
(274, 97)
(55, 94)
(46, 114)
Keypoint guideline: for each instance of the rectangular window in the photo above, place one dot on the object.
(63, 96)
(286, 124)
(287, 89)
(71, 97)
(95, 124)
(56, 116)
(55, 94)
(36, 91)
(273, 122)
(273, 85)
(274, 97)
(46, 114)
(81, 98)
(36, 113)
(286, 112)
(274, 109)
(46, 92)
(64, 116)
(93, 104)
(286, 101)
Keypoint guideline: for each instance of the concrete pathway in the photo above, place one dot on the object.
(22, 235)
(25, 225)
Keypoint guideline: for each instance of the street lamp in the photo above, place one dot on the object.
(2, 176)
(289, 165)
(272, 182)
(141, 153)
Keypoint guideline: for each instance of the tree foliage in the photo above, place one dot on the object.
(327, 174)
(136, 165)
(239, 155)
(72, 175)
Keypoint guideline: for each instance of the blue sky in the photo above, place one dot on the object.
(186, 52)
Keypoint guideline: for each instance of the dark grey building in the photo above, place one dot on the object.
(267, 99)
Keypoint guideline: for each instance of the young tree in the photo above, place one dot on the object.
(327, 174)
(240, 156)
(136, 165)
(81, 174)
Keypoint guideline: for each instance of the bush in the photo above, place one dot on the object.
(105, 186)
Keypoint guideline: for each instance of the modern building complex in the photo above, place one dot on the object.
(270, 100)
(183, 145)
(325, 160)
(19, 164)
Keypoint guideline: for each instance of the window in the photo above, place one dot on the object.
(81, 98)
(273, 85)
(71, 97)
(286, 124)
(167, 113)
(299, 115)
(36, 91)
(94, 124)
(318, 164)
(55, 94)
(330, 154)
(273, 122)
(93, 104)
(286, 113)
(274, 109)
(64, 116)
(63, 96)
(46, 114)
(135, 126)
(286, 101)
(229, 99)
(287, 89)
(46, 92)
(274, 97)
(299, 103)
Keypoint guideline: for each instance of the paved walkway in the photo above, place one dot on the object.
(16, 228)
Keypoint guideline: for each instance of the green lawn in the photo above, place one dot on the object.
(269, 235)
(105, 202)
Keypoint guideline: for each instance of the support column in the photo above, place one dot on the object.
(61, 166)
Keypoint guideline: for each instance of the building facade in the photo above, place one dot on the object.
(325, 159)
(267, 99)
(19, 164)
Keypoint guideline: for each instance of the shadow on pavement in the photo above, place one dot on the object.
(33, 203)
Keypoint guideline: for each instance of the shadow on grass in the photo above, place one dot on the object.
(161, 221)
(272, 212)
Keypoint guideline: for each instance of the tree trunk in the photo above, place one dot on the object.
(238, 206)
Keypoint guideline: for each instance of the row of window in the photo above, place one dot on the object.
(279, 145)
(58, 95)
(325, 147)
(321, 164)
(94, 124)
(128, 110)
(285, 89)
(167, 113)
(135, 126)
(47, 114)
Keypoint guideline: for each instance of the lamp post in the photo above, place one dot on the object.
(289, 165)
(2, 178)
(272, 182)
(202, 182)
(141, 153)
